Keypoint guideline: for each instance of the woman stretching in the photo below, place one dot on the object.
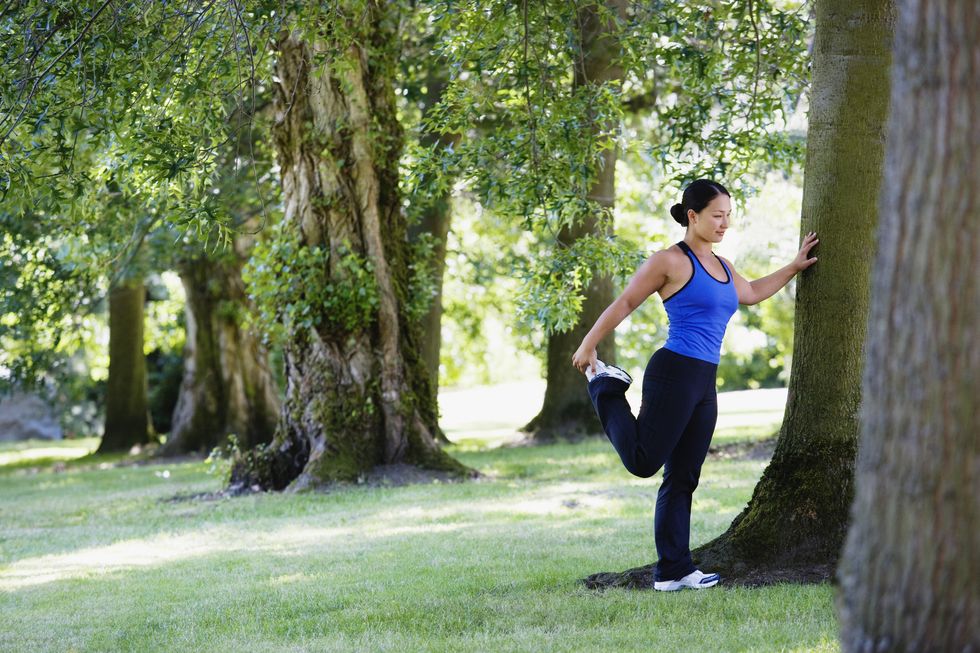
(700, 291)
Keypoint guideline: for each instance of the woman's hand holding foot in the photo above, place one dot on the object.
(584, 358)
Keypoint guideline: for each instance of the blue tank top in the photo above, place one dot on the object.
(698, 313)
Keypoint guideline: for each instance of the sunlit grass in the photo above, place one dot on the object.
(43, 452)
(99, 560)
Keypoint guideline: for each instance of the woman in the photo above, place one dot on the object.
(700, 291)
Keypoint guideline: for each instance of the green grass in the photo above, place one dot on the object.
(93, 557)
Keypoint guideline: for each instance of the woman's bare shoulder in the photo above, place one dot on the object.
(670, 259)
(671, 252)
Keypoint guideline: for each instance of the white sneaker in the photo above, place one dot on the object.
(601, 369)
(697, 579)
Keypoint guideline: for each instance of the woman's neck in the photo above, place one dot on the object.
(698, 245)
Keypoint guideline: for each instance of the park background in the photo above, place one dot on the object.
(292, 290)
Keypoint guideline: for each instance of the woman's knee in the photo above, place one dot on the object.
(642, 470)
(682, 481)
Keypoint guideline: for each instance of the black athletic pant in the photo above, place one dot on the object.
(677, 418)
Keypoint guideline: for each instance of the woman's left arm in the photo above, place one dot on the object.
(753, 292)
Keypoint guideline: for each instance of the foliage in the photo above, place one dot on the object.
(422, 277)
(164, 371)
(708, 78)
(117, 123)
(163, 342)
(124, 124)
(555, 285)
(296, 286)
(134, 95)
(40, 306)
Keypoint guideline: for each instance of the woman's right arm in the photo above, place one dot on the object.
(650, 278)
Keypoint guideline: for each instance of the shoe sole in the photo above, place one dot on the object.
(628, 379)
(674, 585)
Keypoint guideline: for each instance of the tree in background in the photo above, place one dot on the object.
(567, 410)
(127, 420)
(422, 81)
(908, 571)
(228, 387)
(336, 275)
(794, 524)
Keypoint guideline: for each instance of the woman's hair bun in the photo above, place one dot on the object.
(678, 213)
(697, 195)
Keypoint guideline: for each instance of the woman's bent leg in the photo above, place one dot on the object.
(609, 398)
(672, 387)
(670, 392)
(672, 520)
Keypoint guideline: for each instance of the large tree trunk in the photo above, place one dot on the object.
(794, 525)
(567, 409)
(908, 576)
(127, 421)
(435, 220)
(358, 392)
(227, 386)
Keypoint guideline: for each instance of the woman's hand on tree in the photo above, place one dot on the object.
(583, 358)
(802, 262)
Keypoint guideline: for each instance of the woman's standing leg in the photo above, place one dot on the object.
(672, 520)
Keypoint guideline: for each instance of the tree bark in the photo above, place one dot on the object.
(127, 422)
(227, 387)
(357, 394)
(567, 409)
(908, 574)
(794, 525)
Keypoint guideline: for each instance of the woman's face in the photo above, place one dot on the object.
(712, 222)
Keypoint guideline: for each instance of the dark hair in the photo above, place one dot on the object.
(696, 196)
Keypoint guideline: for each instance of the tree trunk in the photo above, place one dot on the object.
(358, 392)
(435, 220)
(127, 420)
(227, 386)
(794, 525)
(567, 409)
(908, 574)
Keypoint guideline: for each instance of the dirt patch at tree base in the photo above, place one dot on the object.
(641, 578)
(395, 475)
(744, 450)
(400, 474)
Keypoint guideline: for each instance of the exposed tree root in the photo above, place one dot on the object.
(641, 578)
(717, 557)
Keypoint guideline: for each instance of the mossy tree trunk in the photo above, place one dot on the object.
(794, 525)
(567, 409)
(908, 574)
(127, 417)
(358, 392)
(227, 387)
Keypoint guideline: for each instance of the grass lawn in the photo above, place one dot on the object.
(94, 557)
